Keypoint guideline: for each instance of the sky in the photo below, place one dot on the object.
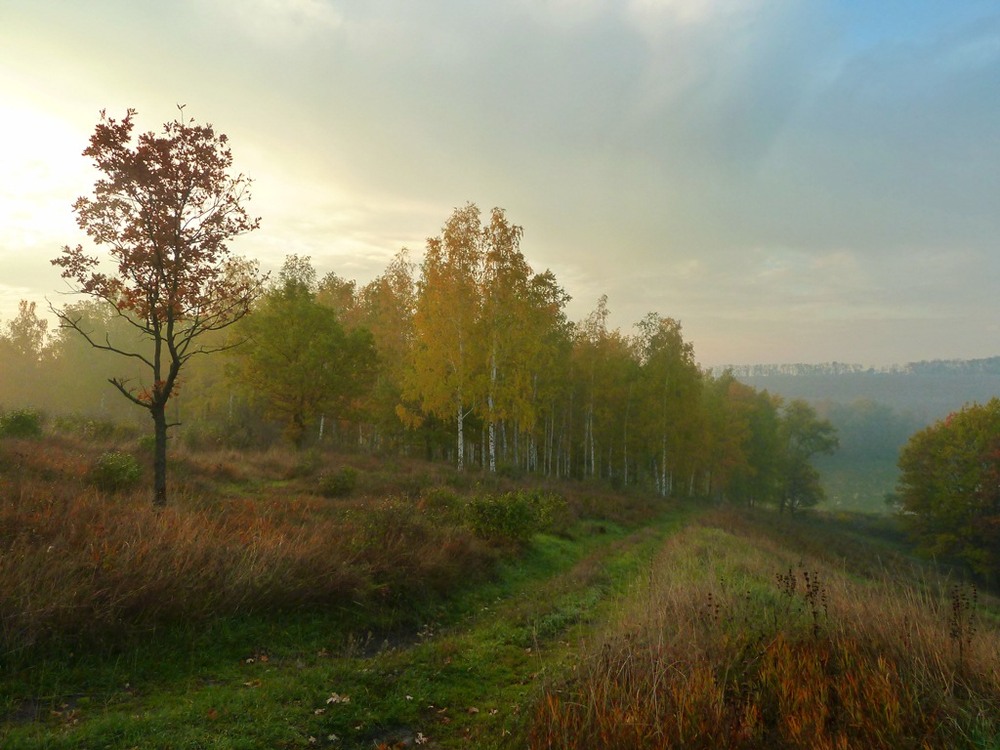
(793, 180)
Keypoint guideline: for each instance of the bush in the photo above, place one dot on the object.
(442, 502)
(115, 471)
(514, 516)
(340, 483)
(146, 444)
(306, 464)
(22, 423)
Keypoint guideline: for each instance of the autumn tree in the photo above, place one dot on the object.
(727, 405)
(385, 307)
(340, 295)
(671, 393)
(447, 354)
(949, 488)
(544, 369)
(165, 208)
(505, 282)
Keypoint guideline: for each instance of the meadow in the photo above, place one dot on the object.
(319, 599)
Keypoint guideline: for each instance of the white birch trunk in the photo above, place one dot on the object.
(492, 414)
(461, 437)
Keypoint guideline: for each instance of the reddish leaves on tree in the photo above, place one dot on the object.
(165, 208)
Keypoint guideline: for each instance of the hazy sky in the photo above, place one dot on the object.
(795, 180)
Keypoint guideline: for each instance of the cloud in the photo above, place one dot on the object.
(716, 160)
(686, 12)
(280, 22)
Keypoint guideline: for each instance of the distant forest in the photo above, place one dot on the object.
(926, 391)
(984, 366)
(875, 411)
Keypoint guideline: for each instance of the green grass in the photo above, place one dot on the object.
(452, 641)
(457, 669)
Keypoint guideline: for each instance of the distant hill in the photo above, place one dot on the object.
(927, 390)
(875, 412)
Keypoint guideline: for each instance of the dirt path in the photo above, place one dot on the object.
(467, 678)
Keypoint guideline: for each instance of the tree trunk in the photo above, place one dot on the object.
(491, 406)
(461, 438)
(492, 438)
(159, 414)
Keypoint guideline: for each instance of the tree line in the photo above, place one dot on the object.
(468, 358)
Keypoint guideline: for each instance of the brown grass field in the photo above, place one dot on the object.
(739, 640)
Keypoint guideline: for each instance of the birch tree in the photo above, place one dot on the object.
(385, 306)
(447, 358)
(671, 390)
(505, 312)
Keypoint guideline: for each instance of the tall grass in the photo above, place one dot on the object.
(78, 564)
(739, 640)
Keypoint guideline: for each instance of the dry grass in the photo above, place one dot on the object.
(79, 564)
(739, 641)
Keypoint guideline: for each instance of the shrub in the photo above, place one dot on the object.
(114, 471)
(339, 483)
(514, 516)
(442, 503)
(146, 444)
(22, 423)
(307, 464)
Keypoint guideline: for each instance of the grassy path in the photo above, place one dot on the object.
(464, 680)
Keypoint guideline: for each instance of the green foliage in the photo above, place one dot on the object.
(803, 435)
(299, 363)
(339, 483)
(515, 516)
(949, 487)
(115, 471)
(274, 670)
(443, 502)
(146, 444)
(21, 423)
